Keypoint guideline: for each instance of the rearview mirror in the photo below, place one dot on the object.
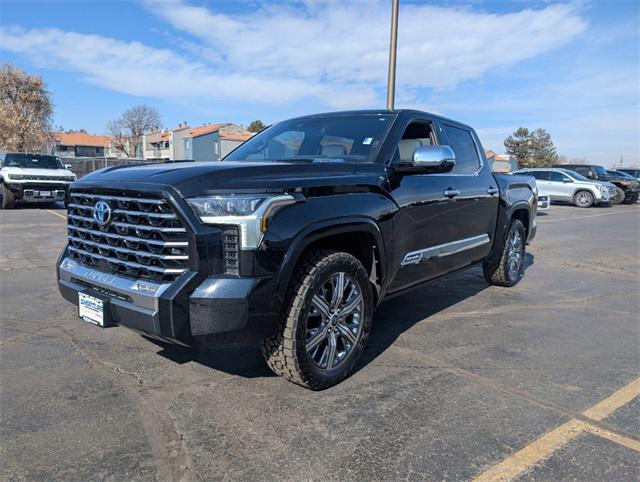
(429, 159)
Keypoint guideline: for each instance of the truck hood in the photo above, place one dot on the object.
(31, 171)
(200, 178)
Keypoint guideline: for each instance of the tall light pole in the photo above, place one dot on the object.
(393, 45)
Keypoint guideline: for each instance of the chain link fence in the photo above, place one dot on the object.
(81, 166)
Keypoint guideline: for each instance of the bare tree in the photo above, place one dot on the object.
(26, 111)
(128, 130)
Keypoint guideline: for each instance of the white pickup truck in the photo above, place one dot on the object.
(32, 178)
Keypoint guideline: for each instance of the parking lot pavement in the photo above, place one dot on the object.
(460, 380)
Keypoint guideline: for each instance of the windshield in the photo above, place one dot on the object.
(632, 172)
(600, 171)
(339, 138)
(576, 176)
(621, 174)
(32, 160)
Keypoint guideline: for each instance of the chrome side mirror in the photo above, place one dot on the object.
(429, 159)
(67, 166)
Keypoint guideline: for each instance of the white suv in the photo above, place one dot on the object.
(32, 178)
(569, 186)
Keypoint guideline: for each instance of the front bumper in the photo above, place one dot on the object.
(544, 202)
(39, 191)
(177, 311)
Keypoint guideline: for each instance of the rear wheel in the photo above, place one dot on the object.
(326, 324)
(8, 198)
(630, 198)
(510, 268)
(583, 199)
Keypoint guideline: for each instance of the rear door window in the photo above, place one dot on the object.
(464, 147)
(557, 176)
(540, 175)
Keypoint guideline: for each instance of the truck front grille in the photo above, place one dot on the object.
(142, 238)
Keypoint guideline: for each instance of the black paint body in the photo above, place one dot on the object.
(382, 213)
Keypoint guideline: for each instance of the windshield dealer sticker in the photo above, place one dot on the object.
(367, 141)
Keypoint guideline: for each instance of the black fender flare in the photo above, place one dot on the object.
(505, 213)
(320, 230)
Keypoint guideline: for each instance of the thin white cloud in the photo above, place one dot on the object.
(332, 53)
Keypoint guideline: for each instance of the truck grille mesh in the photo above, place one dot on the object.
(144, 238)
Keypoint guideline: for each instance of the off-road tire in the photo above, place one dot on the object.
(8, 198)
(619, 197)
(630, 198)
(498, 274)
(583, 199)
(285, 352)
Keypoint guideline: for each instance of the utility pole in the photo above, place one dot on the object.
(393, 46)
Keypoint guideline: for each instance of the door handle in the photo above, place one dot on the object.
(451, 193)
(492, 190)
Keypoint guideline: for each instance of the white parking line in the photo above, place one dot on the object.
(57, 214)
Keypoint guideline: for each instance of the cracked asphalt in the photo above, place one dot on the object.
(458, 377)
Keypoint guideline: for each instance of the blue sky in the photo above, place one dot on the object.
(571, 68)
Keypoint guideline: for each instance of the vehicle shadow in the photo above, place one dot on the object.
(226, 353)
(400, 314)
(235, 355)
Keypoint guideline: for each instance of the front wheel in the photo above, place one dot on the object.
(583, 199)
(326, 324)
(619, 197)
(510, 268)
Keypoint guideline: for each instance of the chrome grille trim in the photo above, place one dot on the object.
(143, 239)
(176, 244)
(125, 211)
(119, 198)
(131, 264)
(127, 251)
(128, 225)
(141, 213)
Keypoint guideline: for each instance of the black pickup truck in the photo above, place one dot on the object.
(296, 236)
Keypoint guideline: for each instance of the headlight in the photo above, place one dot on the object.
(249, 212)
(16, 176)
(69, 178)
(604, 189)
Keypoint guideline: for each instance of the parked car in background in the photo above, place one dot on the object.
(32, 178)
(627, 189)
(635, 173)
(544, 201)
(569, 186)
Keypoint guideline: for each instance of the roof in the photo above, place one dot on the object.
(489, 154)
(81, 139)
(395, 112)
(558, 169)
(200, 131)
(236, 136)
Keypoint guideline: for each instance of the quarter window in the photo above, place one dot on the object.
(461, 141)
